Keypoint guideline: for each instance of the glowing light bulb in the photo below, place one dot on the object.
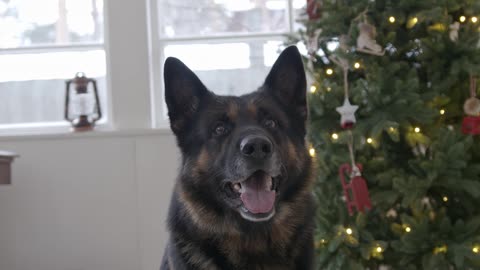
(313, 88)
(311, 152)
(329, 71)
(417, 130)
(349, 231)
(442, 111)
(392, 129)
(356, 65)
(334, 136)
(329, 89)
(391, 19)
(462, 18)
(369, 140)
(475, 249)
(379, 249)
(412, 22)
(440, 249)
(408, 229)
(474, 19)
(445, 198)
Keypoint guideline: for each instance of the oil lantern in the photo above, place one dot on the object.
(82, 105)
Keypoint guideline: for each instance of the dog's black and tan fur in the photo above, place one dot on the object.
(225, 140)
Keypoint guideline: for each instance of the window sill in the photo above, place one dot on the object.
(64, 132)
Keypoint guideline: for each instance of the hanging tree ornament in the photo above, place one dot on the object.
(471, 122)
(356, 190)
(347, 110)
(313, 9)
(312, 47)
(312, 42)
(454, 27)
(366, 42)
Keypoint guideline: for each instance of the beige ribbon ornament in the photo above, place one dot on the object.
(472, 104)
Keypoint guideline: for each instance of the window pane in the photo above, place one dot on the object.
(35, 92)
(212, 56)
(216, 17)
(228, 68)
(47, 22)
(299, 14)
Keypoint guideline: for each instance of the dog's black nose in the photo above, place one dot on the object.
(256, 147)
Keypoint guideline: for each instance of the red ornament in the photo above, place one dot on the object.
(348, 125)
(313, 9)
(356, 191)
(471, 125)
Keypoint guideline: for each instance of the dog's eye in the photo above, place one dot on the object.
(220, 129)
(270, 123)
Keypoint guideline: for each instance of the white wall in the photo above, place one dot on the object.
(95, 201)
(87, 202)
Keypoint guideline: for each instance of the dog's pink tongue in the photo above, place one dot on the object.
(256, 198)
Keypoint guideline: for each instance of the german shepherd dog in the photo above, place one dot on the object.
(243, 198)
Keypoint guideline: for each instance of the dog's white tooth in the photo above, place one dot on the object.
(237, 187)
(269, 184)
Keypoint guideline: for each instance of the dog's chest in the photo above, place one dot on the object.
(244, 253)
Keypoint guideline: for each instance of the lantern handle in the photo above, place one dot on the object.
(97, 101)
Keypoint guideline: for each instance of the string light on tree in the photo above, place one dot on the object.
(476, 249)
(349, 231)
(311, 152)
(440, 249)
(462, 18)
(408, 229)
(412, 22)
(445, 198)
(329, 71)
(335, 136)
(313, 89)
(329, 89)
(379, 249)
(356, 65)
(474, 19)
(417, 130)
(391, 19)
(442, 111)
(369, 140)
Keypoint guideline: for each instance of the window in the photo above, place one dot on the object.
(229, 44)
(42, 44)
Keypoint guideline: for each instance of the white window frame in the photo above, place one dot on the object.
(134, 63)
(51, 125)
(126, 46)
(157, 58)
(57, 126)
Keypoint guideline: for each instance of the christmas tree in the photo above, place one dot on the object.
(411, 67)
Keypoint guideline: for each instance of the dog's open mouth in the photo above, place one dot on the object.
(257, 193)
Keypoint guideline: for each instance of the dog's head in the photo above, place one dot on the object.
(242, 156)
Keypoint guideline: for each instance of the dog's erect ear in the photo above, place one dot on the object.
(183, 93)
(286, 81)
